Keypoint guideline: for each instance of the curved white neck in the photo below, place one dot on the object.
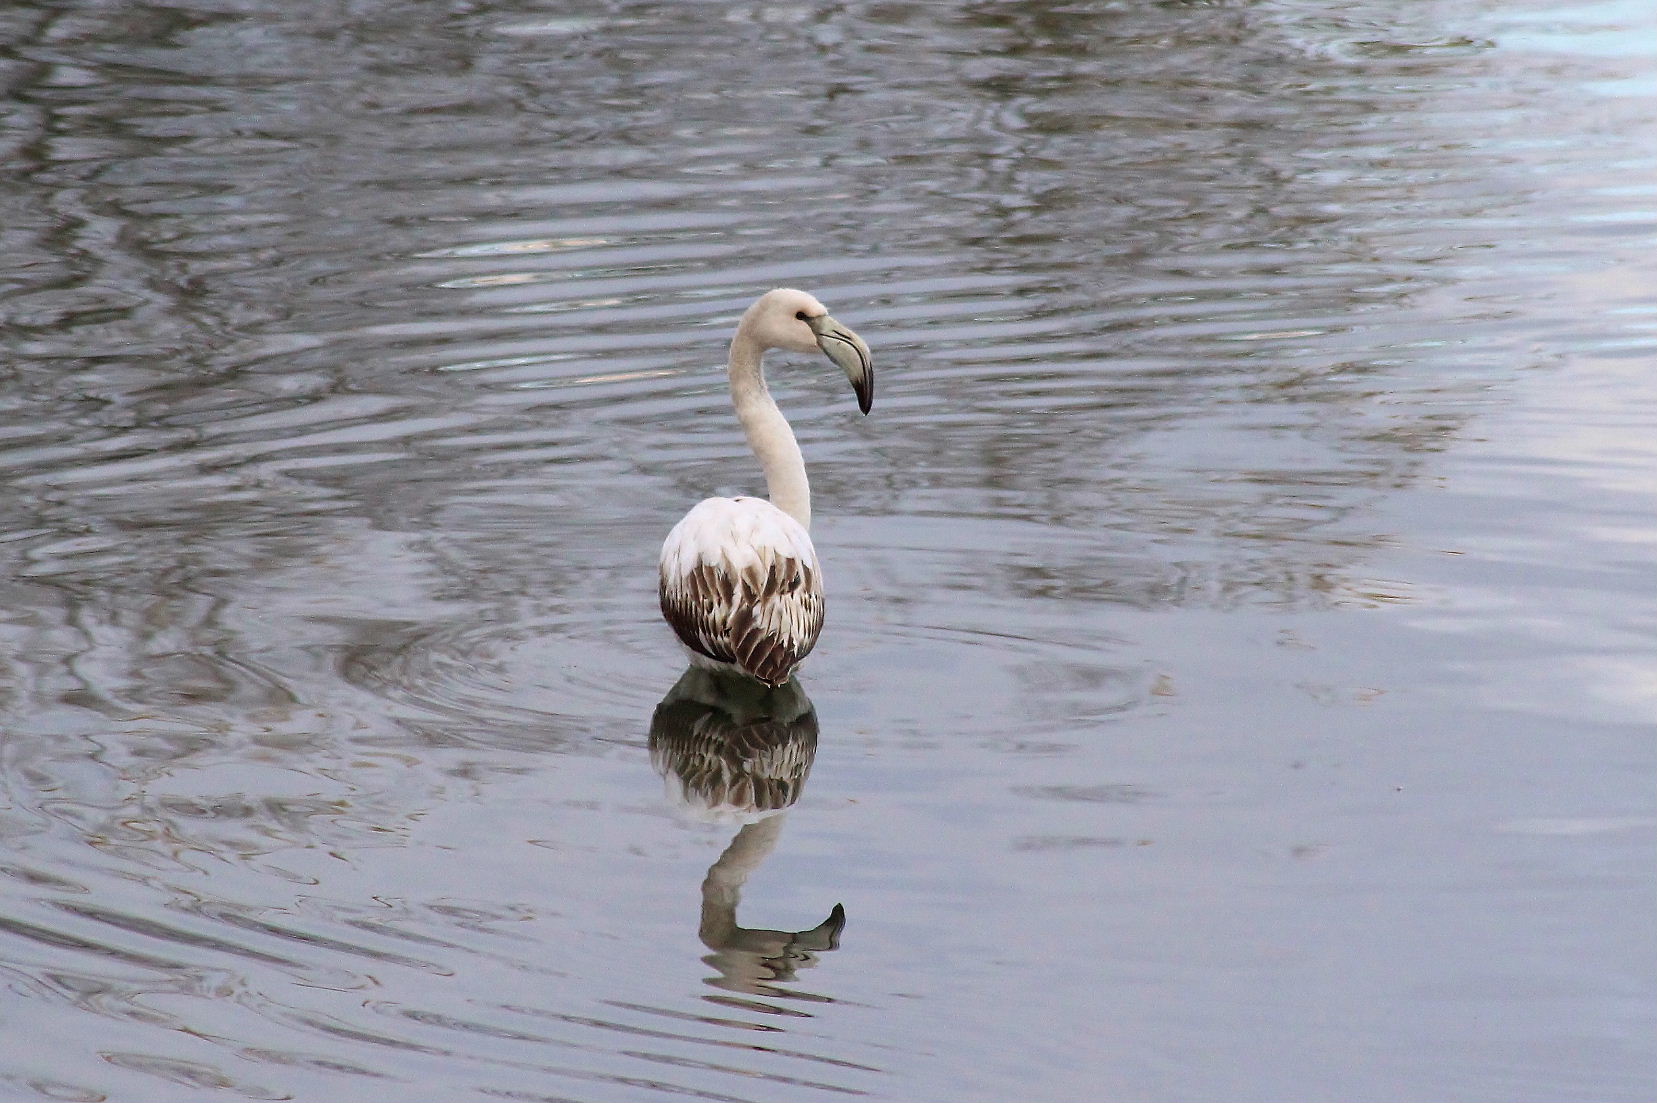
(722, 888)
(768, 432)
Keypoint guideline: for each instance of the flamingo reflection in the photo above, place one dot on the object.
(734, 751)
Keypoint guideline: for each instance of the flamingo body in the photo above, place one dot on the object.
(742, 588)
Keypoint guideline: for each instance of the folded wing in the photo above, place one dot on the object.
(740, 585)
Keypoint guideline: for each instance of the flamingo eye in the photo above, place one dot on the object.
(800, 314)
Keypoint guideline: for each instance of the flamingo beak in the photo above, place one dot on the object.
(848, 350)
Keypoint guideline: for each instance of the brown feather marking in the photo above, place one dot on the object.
(764, 621)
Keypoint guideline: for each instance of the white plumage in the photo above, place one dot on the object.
(735, 533)
(740, 581)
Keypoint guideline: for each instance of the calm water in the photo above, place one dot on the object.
(1241, 672)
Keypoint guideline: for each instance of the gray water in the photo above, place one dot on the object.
(1241, 672)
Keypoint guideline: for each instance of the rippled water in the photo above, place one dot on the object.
(1239, 673)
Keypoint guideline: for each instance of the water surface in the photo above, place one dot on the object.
(1238, 681)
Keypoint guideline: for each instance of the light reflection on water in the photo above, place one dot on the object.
(1237, 673)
